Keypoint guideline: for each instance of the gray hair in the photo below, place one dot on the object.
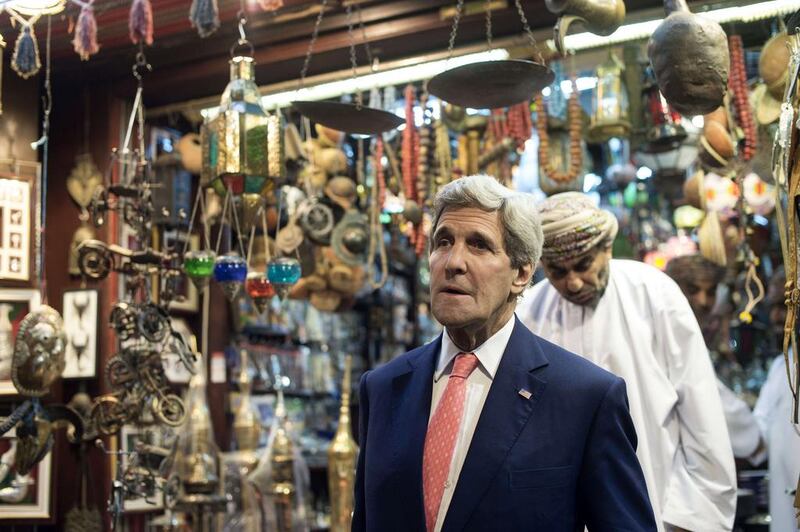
(522, 229)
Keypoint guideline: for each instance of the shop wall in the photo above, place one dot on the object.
(104, 110)
(19, 123)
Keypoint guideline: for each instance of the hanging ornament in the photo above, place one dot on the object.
(230, 271)
(25, 60)
(199, 266)
(204, 16)
(85, 40)
(259, 289)
(283, 273)
(140, 22)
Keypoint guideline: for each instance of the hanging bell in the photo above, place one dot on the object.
(199, 267)
(230, 271)
(283, 273)
(243, 145)
(259, 289)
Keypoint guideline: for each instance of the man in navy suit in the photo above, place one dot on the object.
(489, 427)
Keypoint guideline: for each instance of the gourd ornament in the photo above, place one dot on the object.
(689, 55)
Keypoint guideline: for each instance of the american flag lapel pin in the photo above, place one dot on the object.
(525, 393)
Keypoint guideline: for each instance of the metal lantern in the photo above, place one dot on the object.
(610, 107)
(664, 127)
(243, 144)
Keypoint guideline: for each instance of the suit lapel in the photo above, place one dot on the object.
(412, 389)
(505, 413)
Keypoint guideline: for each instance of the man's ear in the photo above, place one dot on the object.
(523, 278)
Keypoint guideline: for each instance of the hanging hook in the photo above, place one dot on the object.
(140, 65)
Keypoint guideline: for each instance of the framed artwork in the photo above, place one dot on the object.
(14, 306)
(174, 369)
(15, 229)
(187, 299)
(24, 497)
(129, 435)
(80, 323)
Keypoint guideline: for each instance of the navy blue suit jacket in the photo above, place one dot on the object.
(559, 461)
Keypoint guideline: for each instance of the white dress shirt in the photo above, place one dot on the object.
(644, 331)
(478, 383)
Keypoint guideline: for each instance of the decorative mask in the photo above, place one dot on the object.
(39, 352)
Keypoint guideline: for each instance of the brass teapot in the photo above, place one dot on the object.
(601, 17)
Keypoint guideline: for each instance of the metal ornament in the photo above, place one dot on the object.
(39, 352)
(350, 239)
(317, 221)
(84, 179)
(283, 273)
(260, 290)
(601, 17)
(342, 462)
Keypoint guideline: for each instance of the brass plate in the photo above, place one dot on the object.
(491, 84)
(348, 117)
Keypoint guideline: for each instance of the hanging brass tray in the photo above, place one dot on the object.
(349, 117)
(491, 84)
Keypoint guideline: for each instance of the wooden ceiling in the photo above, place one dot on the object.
(186, 66)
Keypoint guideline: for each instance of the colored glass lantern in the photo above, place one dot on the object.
(230, 271)
(199, 267)
(259, 289)
(243, 144)
(283, 273)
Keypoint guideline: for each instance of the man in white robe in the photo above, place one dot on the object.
(633, 320)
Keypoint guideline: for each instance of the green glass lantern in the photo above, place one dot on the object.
(243, 144)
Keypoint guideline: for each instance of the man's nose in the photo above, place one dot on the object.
(574, 283)
(456, 259)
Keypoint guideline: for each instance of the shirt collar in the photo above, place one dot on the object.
(489, 353)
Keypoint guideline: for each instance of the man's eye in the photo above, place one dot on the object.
(442, 241)
(558, 273)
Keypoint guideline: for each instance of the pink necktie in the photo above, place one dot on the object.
(441, 438)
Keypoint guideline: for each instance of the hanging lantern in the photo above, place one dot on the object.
(669, 165)
(230, 271)
(242, 146)
(610, 110)
(664, 128)
(259, 289)
(283, 273)
(199, 267)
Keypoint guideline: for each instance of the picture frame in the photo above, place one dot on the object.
(188, 297)
(128, 436)
(80, 314)
(27, 498)
(15, 304)
(19, 221)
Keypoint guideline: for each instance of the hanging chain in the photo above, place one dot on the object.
(454, 29)
(351, 36)
(528, 31)
(311, 43)
(489, 25)
(363, 29)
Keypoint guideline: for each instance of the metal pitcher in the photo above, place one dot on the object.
(601, 17)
